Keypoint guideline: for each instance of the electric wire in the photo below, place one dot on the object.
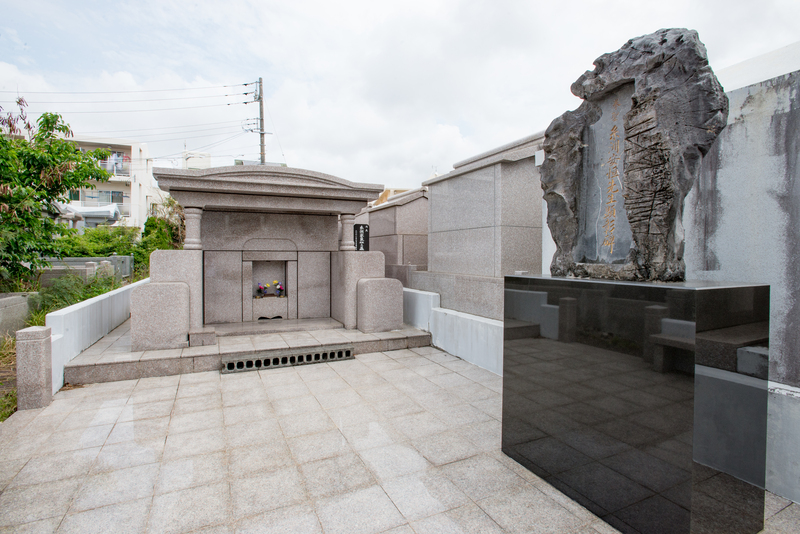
(133, 130)
(123, 92)
(140, 110)
(203, 147)
(154, 135)
(124, 101)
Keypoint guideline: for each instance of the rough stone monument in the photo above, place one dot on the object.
(618, 168)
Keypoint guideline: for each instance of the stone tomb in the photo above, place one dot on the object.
(251, 225)
(399, 229)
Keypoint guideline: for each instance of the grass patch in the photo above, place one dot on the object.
(8, 376)
(66, 291)
(8, 404)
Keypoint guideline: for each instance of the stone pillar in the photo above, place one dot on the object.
(34, 368)
(347, 242)
(192, 219)
(90, 270)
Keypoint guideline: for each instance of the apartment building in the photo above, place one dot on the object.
(131, 189)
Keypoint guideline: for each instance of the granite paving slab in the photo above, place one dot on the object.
(346, 447)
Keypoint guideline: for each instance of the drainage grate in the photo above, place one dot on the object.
(285, 358)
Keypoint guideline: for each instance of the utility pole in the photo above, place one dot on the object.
(261, 119)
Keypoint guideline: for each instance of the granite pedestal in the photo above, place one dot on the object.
(671, 442)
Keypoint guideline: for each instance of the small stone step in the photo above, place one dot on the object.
(89, 367)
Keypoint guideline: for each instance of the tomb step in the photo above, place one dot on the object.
(135, 365)
(274, 326)
(514, 329)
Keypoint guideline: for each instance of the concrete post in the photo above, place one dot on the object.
(34, 368)
(90, 270)
(105, 269)
(567, 319)
(348, 241)
(192, 219)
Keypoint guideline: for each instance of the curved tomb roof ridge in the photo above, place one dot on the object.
(267, 180)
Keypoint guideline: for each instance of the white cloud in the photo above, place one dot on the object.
(369, 91)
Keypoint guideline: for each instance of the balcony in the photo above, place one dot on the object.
(124, 209)
(117, 167)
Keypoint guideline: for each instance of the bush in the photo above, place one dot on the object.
(158, 234)
(100, 241)
(66, 291)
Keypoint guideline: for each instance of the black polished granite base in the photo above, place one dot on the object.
(646, 403)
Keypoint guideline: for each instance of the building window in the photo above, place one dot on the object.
(75, 194)
(108, 197)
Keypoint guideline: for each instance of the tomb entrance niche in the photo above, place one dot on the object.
(268, 290)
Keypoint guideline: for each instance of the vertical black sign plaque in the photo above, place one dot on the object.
(361, 236)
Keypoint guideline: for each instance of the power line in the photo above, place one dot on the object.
(142, 110)
(12, 102)
(202, 147)
(124, 92)
(181, 132)
(166, 127)
(181, 138)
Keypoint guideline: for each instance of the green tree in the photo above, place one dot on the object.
(38, 167)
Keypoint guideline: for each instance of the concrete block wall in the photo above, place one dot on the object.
(473, 338)
(742, 222)
(13, 312)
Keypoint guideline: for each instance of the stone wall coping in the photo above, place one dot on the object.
(33, 333)
(13, 299)
(515, 151)
(265, 180)
(401, 199)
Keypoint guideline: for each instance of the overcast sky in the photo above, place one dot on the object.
(379, 92)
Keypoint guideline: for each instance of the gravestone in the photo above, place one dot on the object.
(618, 168)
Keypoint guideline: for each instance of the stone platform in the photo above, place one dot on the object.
(111, 358)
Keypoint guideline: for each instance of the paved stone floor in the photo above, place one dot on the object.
(405, 441)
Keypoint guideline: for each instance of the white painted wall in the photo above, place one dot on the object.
(77, 327)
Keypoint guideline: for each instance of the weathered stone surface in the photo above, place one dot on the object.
(160, 316)
(380, 304)
(34, 368)
(677, 109)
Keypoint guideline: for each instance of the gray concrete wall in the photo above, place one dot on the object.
(742, 222)
(13, 312)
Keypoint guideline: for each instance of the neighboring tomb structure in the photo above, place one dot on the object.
(248, 227)
(398, 227)
(484, 222)
(618, 168)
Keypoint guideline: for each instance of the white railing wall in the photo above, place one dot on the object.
(78, 327)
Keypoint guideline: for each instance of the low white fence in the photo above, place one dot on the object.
(78, 327)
